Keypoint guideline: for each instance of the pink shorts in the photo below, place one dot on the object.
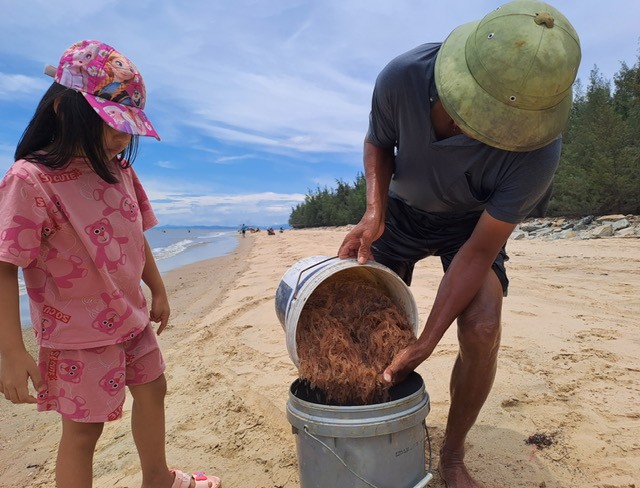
(87, 385)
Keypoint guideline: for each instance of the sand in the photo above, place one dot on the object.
(569, 367)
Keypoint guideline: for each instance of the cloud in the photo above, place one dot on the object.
(187, 203)
(230, 159)
(16, 85)
(166, 164)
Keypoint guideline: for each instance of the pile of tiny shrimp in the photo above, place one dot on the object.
(347, 334)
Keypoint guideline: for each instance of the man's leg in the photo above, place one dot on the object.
(472, 377)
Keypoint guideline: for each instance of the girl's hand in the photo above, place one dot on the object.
(15, 371)
(160, 311)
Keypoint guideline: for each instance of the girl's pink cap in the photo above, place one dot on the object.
(109, 81)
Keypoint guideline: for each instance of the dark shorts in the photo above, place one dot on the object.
(411, 235)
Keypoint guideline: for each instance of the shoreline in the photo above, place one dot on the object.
(568, 367)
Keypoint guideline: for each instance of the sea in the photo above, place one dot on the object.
(172, 247)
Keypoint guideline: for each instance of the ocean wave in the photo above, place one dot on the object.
(174, 249)
(215, 234)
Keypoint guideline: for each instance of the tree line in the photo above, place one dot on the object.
(598, 174)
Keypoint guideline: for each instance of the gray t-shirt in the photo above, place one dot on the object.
(457, 174)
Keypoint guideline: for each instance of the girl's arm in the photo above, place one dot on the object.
(16, 364)
(160, 309)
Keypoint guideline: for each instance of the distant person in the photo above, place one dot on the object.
(281, 230)
(243, 229)
(463, 143)
(271, 232)
(63, 219)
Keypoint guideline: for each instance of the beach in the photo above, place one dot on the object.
(569, 368)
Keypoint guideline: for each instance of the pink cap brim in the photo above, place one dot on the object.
(127, 119)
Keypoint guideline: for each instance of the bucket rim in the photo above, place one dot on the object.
(359, 420)
(336, 265)
(414, 376)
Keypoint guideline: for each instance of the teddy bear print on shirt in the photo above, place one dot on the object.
(108, 250)
(111, 318)
(116, 200)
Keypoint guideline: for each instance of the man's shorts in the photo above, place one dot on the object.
(411, 235)
(87, 385)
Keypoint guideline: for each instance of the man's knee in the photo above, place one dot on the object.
(479, 326)
(479, 331)
(480, 321)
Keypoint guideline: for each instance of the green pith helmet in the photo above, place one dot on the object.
(507, 79)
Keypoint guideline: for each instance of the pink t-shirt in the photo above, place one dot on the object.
(80, 242)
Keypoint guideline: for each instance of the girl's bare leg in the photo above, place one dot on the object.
(148, 429)
(74, 466)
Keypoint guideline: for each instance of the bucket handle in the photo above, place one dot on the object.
(295, 293)
(421, 484)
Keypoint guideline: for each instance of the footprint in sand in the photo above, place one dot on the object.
(597, 333)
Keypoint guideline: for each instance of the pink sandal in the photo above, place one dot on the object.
(183, 480)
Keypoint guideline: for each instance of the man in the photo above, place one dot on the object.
(463, 143)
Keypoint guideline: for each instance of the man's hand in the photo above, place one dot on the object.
(357, 243)
(15, 370)
(403, 363)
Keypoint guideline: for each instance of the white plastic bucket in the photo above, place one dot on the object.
(301, 280)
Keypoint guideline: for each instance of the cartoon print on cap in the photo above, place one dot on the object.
(119, 73)
(110, 82)
(74, 73)
(122, 118)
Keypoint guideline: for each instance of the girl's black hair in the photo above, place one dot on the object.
(71, 129)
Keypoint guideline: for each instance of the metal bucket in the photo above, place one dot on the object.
(379, 446)
(301, 280)
(371, 446)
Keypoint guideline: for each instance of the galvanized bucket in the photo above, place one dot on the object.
(381, 446)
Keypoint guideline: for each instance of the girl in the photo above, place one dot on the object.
(73, 218)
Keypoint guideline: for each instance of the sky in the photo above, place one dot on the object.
(257, 102)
